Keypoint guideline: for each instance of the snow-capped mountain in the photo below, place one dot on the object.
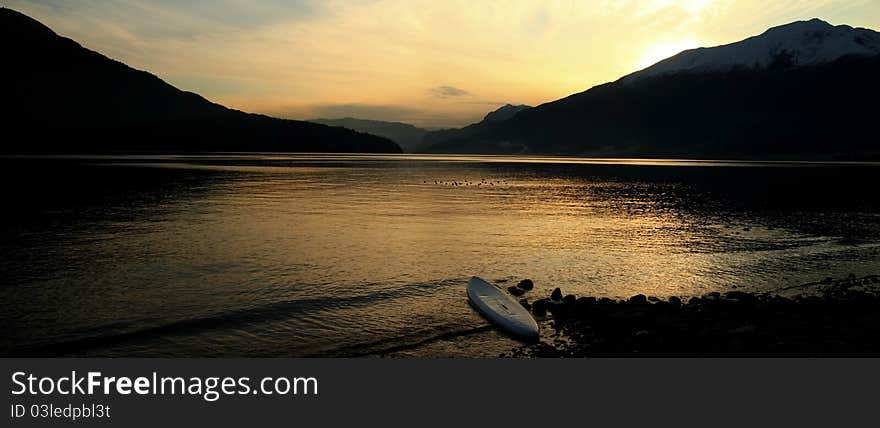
(799, 43)
(806, 90)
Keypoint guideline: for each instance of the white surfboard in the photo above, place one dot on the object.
(501, 309)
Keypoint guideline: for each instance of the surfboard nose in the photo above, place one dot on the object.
(501, 309)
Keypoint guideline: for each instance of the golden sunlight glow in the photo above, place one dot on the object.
(427, 63)
(661, 51)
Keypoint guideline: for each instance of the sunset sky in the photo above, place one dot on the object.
(429, 63)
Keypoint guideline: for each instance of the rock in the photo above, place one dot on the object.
(515, 291)
(561, 309)
(739, 296)
(638, 298)
(583, 305)
(585, 302)
(661, 304)
(525, 304)
(526, 284)
(539, 307)
(653, 299)
(729, 323)
(556, 294)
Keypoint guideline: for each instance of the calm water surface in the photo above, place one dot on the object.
(300, 255)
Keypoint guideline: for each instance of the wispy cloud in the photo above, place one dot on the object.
(448, 91)
(169, 19)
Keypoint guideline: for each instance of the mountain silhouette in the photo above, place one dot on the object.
(61, 97)
(407, 136)
(414, 139)
(448, 140)
(806, 90)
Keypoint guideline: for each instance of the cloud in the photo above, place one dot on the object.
(449, 91)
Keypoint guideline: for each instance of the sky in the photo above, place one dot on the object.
(429, 63)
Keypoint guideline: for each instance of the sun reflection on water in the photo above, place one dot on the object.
(292, 255)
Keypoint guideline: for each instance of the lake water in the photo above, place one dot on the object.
(311, 255)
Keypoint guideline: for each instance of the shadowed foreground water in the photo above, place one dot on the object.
(299, 255)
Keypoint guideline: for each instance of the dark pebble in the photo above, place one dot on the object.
(515, 291)
(585, 302)
(539, 307)
(526, 284)
(559, 309)
(638, 298)
(738, 295)
(556, 294)
(525, 304)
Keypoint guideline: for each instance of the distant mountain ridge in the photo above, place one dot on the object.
(806, 90)
(414, 139)
(438, 141)
(61, 97)
(504, 112)
(408, 137)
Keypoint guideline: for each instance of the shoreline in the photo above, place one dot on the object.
(839, 318)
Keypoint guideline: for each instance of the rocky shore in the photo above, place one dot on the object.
(826, 318)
